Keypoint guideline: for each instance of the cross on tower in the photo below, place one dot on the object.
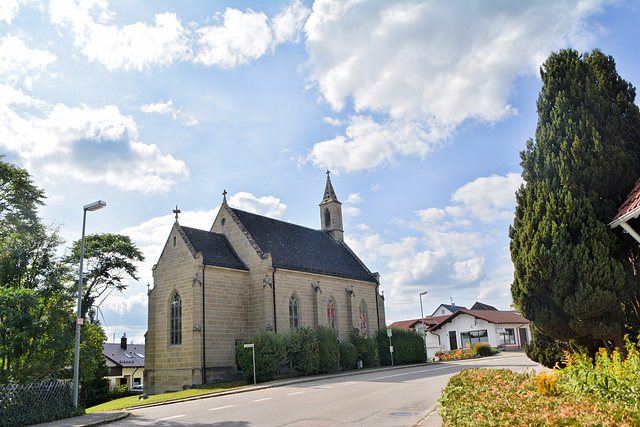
(176, 211)
(224, 196)
(328, 172)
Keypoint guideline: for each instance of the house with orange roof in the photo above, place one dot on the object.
(463, 328)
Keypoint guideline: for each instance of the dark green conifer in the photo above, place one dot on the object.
(573, 275)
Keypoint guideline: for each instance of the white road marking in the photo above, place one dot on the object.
(412, 373)
(170, 418)
(266, 398)
(222, 407)
(297, 392)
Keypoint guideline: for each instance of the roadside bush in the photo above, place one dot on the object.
(34, 403)
(456, 355)
(499, 397)
(408, 347)
(270, 351)
(482, 349)
(610, 376)
(328, 350)
(302, 349)
(348, 355)
(365, 347)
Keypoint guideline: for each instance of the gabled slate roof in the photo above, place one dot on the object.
(483, 306)
(215, 248)
(132, 357)
(294, 247)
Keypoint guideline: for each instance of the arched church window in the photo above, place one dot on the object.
(331, 314)
(294, 312)
(176, 319)
(363, 318)
(327, 218)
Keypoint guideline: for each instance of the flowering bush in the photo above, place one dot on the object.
(457, 355)
(500, 397)
(610, 375)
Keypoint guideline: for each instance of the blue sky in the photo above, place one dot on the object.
(418, 108)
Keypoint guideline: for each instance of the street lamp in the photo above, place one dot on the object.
(79, 320)
(424, 330)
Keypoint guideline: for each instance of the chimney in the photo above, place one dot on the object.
(123, 341)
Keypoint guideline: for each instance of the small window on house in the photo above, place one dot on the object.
(363, 318)
(508, 337)
(442, 311)
(176, 319)
(294, 313)
(331, 314)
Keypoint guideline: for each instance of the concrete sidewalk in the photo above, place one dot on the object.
(92, 419)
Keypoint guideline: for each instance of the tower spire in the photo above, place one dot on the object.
(329, 193)
(331, 211)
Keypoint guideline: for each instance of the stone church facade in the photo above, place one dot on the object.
(248, 274)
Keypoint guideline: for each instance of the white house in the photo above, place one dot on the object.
(462, 328)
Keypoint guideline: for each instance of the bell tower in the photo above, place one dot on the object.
(331, 211)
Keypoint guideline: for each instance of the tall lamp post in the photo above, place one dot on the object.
(424, 330)
(79, 320)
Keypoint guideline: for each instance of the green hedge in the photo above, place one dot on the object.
(366, 348)
(35, 403)
(302, 349)
(348, 355)
(408, 347)
(270, 351)
(328, 350)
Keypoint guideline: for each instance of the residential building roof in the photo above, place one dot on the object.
(630, 208)
(294, 247)
(491, 316)
(214, 247)
(482, 306)
(132, 357)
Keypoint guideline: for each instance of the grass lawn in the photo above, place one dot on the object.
(127, 402)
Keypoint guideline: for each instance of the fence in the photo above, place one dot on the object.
(24, 404)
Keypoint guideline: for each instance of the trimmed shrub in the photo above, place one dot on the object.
(302, 349)
(328, 350)
(482, 349)
(348, 355)
(270, 351)
(366, 348)
(408, 347)
(35, 403)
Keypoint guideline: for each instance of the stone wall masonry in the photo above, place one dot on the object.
(289, 282)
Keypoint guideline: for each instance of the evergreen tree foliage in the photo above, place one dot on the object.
(573, 278)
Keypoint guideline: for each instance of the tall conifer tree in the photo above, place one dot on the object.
(573, 275)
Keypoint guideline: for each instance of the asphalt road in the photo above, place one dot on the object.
(397, 397)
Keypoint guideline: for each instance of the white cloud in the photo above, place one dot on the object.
(89, 145)
(352, 211)
(245, 36)
(369, 144)
(159, 108)
(9, 9)
(354, 198)
(332, 121)
(18, 63)
(137, 46)
(490, 198)
(267, 205)
(241, 38)
(434, 64)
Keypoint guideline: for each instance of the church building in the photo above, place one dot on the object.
(248, 274)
